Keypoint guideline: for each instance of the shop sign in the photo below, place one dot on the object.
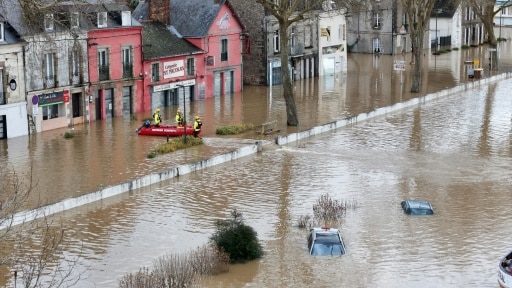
(174, 69)
(66, 96)
(174, 85)
(51, 98)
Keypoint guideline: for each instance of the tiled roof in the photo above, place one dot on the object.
(193, 18)
(159, 42)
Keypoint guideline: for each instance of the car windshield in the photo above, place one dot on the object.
(420, 211)
(327, 250)
(327, 245)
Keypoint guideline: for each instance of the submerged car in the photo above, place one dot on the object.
(417, 207)
(325, 241)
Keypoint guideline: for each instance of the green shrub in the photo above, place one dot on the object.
(455, 48)
(465, 46)
(234, 129)
(238, 240)
(69, 135)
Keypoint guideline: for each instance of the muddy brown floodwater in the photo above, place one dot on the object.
(454, 152)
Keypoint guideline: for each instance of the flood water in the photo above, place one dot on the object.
(454, 152)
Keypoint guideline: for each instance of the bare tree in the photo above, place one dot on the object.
(288, 12)
(484, 9)
(418, 12)
(30, 251)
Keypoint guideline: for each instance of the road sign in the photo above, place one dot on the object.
(399, 65)
(491, 49)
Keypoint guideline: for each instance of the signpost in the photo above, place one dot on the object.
(399, 65)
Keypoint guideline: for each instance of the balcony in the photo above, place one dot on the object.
(127, 70)
(3, 98)
(103, 71)
(297, 50)
(75, 79)
(49, 81)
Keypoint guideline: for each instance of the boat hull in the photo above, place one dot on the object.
(164, 130)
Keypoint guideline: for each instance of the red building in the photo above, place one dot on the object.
(170, 65)
(212, 27)
(217, 31)
(115, 65)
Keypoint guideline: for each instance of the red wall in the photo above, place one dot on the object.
(114, 39)
(225, 26)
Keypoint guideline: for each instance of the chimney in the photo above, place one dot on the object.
(159, 10)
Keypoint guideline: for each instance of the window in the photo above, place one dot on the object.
(48, 22)
(126, 18)
(49, 70)
(224, 50)
(307, 36)
(74, 19)
(75, 66)
(2, 31)
(103, 64)
(276, 41)
(292, 36)
(52, 111)
(155, 72)
(127, 62)
(102, 19)
(377, 21)
(191, 69)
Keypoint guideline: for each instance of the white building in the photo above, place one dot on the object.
(13, 104)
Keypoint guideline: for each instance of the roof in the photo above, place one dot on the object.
(159, 42)
(446, 9)
(191, 18)
(11, 10)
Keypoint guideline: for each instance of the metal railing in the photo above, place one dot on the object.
(127, 70)
(103, 71)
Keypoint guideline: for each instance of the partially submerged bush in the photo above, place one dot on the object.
(209, 260)
(176, 143)
(69, 135)
(177, 270)
(238, 240)
(234, 129)
(305, 221)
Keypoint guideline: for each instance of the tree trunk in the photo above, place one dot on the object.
(291, 108)
(417, 51)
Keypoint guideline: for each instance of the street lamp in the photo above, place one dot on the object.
(184, 114)
(437, 14)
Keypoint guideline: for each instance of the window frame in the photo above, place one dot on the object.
(224, 57)
(74, 20)
(191, 66)
(2, 31)
(102, 19)
(48, 22)
(155, 77)
(276, 42)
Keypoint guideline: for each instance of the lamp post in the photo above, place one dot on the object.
(437, 14)
(184, 113)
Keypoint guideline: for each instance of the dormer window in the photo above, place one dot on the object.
(126, 18)
(74, 20)
(2, 37)
(102, 19)
(48, 22)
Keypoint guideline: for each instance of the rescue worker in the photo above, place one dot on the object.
(157, 118)
(179, 118)
(197, 127)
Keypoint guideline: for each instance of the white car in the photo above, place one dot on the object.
(325, 241)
